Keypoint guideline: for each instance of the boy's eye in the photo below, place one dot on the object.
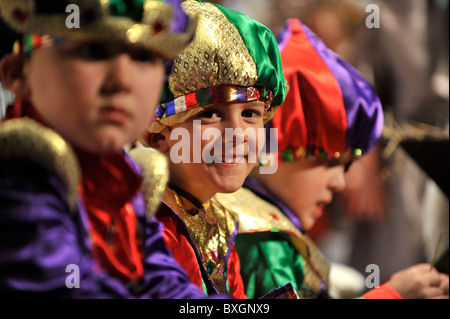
(329, 162)
(209, 114)
(94, 51)
(102, 51)
(142, 55)
(334, 162)
(347, 166)
(250, 113)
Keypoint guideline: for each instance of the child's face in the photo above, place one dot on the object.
(203, 180)
(306, 186)
(98, 95)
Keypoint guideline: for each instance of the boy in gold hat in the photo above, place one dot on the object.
(228, 78)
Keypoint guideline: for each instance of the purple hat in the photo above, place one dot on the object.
(330, 109)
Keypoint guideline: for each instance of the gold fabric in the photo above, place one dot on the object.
(217, 55)
(155, 174)
(257, 215)
(316, 266)
(26, 139)
(211, 233)
(152, 32)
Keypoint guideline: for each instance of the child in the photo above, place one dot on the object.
(72, 214)
(229, 77)
(331, 117)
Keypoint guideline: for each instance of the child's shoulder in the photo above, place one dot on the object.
(254, 213)
(25, 143)
(155, 176)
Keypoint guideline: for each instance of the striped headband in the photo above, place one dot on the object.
(214, 95)
(31, 42)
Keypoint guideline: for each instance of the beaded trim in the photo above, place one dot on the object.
(290, 155)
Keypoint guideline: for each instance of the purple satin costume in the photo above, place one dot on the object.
(39, 238)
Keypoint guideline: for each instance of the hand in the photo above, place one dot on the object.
(419, 282)
(444, 283)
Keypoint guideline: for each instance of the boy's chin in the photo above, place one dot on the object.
(231, 183)
(230, 187)
(308, 223)
(104, 146)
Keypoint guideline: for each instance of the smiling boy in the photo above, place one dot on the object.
(229, 77)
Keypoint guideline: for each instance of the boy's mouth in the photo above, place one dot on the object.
(115, 114)
(229, 159)
(320, 206)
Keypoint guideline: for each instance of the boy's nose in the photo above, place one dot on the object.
(233, 120)
(234, 127)
(336, 182)
(118, 75)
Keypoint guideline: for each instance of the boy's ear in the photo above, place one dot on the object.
(157, 141)
(12, 75)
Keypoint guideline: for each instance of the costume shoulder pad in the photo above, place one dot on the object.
(258, 215)
(25, 139)
(255, 214)
(155, 171)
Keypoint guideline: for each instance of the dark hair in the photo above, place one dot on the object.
(8, 37)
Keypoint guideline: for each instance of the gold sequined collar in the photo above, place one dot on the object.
(212, 230)
(257, 215)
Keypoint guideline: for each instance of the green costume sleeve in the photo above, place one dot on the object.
(268, 261)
